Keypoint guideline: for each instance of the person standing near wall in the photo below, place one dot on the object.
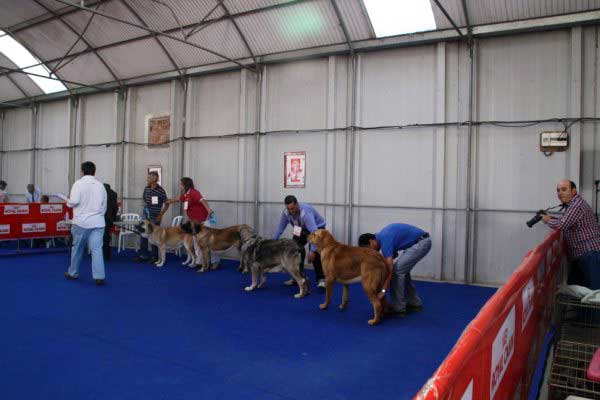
(304, 220)
(3, 195)
(155, 206)
(88, 200)
(581, 235)
(197, 210)
(33, 194)
(110, 216)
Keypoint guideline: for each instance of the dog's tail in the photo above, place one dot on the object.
(191, 227)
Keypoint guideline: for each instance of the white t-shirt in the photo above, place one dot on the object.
(3, 196)
(88, 200)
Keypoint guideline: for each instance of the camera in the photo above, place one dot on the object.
(537, 218)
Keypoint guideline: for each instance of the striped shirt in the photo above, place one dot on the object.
(579, 228)
(154, 200)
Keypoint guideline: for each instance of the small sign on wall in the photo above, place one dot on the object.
(158, 170)
(294, 169)
(159, 130)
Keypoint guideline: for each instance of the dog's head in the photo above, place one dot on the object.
(320, 237)
(246, 233)
(144, 228)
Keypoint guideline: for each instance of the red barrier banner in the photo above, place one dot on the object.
(34, 220)
(495, 357)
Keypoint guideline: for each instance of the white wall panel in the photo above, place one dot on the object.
(16, 169)
(52, 171)
(99, 118)
(53, 124)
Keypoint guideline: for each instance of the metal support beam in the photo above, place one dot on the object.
(21, 71)
(469, 27)
(239, 31)
(155, 32)
(202, 24)
(10, 78)
(343, 26)
(443, 10)
(79, 37)
(160, 44)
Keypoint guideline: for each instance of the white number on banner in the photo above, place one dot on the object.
(297, 230)
(13, 210)
(4, 229)
(527, 298)
(51, 208)
(468, 394)
(35, 227)
(502, 351)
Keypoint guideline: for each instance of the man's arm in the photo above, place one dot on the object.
(569, 219)
(165, 207)
(389, 262)
(283, 221)
(311, 226)
(75, 197)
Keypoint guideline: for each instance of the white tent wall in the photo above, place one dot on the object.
(17, 135)
(416, 174)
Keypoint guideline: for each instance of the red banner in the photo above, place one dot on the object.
(496, 355)
(34, 220)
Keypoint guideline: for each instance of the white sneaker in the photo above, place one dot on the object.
(290, 282)
(321, 284)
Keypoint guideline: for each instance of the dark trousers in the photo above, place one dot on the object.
(301, 242)
(106, 242)
(143, 253)
(585, 271)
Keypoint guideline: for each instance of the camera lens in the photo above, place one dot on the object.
(537, 218)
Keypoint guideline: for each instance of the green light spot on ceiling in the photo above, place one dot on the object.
(308, 23)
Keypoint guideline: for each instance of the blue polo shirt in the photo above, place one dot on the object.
(309, 219)
(396, 237)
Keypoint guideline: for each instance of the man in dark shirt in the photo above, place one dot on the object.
(110, 216)
(155, 206)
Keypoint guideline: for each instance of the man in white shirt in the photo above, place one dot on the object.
(3, 194)
(88, 200)
(33, 195)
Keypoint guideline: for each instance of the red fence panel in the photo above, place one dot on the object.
(495, 356)
(34, 220)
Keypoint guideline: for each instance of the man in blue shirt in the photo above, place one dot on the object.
(33, 194)
(304, 220)
(414, 244)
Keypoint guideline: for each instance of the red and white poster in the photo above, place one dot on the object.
(17, 209)
(34, 227)
(51, 208)
(294, 173)
(4, 229)
(63, 226)
(502, 351)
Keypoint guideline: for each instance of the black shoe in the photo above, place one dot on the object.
(99, 282)
(413, 308)
(141, 259)
(394, 313)
(70, 277)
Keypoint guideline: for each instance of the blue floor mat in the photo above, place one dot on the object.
(172, 333)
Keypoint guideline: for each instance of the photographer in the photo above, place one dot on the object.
(581, 234)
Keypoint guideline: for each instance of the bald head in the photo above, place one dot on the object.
(566, 190)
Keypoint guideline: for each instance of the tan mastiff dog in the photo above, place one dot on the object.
(348, 264)
(167, 237)
(212, 239)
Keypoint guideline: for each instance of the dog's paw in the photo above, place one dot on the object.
(373, 321)
(249, 288)
(159, 265)
(343, 306)
(299, 295)
(323, 306)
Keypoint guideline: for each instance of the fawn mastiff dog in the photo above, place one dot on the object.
(348, 264)
(163, 237)
(212, 239)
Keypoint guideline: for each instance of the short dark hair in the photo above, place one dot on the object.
(187, 183)
(3, 185)
(88, 168)
(290, 200)
(154, 174)
(44, 199)
(364, 240)
(573, 185)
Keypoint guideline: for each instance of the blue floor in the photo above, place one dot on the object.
(172, 333)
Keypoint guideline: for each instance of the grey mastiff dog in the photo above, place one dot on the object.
(263, 255)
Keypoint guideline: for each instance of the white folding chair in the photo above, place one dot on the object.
(176, 222)
(129, 222)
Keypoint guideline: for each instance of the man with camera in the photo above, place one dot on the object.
(581, 234)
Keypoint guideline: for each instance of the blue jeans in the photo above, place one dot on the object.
(585, 271)
(402, 289)
(93, 238)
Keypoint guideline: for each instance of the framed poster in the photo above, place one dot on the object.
(294, 169)
(158, 170)
(159, 130)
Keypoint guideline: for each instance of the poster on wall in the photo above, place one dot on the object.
(158, 170)
(294, 173)
(159, 130)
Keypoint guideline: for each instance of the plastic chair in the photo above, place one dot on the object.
(176, 222)
(129, 222)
